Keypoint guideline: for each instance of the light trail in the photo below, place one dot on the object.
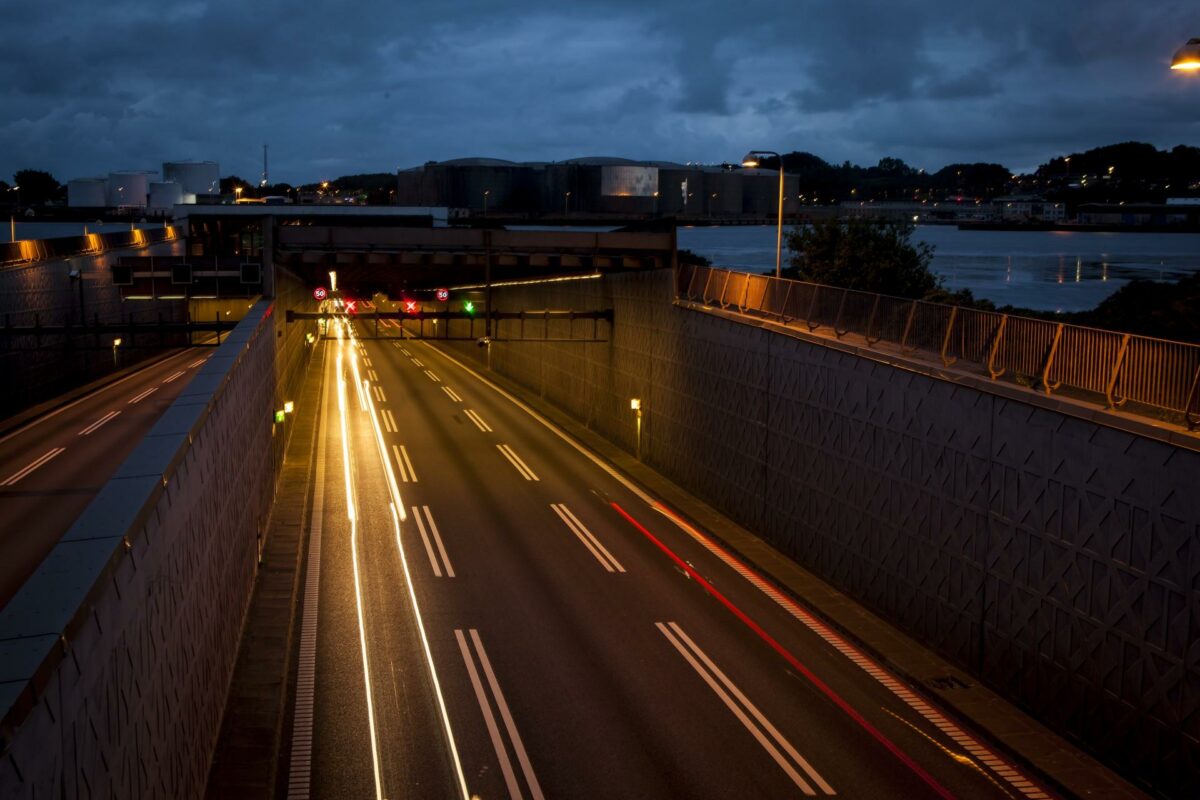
(362, 627)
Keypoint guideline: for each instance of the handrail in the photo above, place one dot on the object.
(1141, 375)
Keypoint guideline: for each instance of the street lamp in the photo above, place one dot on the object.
(566, 203)
(753, 159)
(486, 192)
(1187, 58)
(237, 194)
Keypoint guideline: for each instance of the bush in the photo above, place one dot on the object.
(862, 254)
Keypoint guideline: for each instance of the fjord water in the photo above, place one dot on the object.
(1042, 270)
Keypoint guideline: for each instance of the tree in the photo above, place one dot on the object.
(228, 184)
(37, 187)
(861, 254)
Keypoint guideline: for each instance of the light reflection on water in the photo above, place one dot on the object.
(1043, 270)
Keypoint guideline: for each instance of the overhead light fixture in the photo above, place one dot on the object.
(1187, 57)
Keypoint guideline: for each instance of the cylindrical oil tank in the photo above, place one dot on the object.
(165, 195)
(128, 189)
(87, 193)
(196, 177)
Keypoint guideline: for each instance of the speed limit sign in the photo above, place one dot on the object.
(319, 293)
(443, 294)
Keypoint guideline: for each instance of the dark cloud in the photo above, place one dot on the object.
(374, 85)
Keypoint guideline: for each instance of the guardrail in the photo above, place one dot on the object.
(28, 251)
(1140, 374)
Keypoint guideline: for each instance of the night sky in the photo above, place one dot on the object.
(90, 86)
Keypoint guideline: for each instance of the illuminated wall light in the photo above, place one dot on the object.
(280, 415)
(289, 407)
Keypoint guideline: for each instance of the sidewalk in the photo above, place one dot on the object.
(246, 759)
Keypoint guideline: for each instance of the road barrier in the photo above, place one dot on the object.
(1139, 374)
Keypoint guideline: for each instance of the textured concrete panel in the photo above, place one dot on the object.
(1054, 557)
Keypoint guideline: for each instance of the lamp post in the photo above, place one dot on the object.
(486, 192)
(1187, 58)
(753, 159)
(566, 203)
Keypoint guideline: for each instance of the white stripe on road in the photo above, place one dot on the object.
(96, 425)
(197, 362)
(372, 375)
(173, 377)
(35, 464)
(451, 394)
(514, 790)
(516, 461)
(914, 701)
(478, 420)
(588, 538)
(759, 726)
(417, 362)
(433, 377)
(366, 362)
(144, 395)
(379, 395)
(300, 769)
(389, 422)
(432, 532)
(407, 473)
(403, 349)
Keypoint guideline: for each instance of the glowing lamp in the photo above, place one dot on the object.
(1187, 57)
(289, 407)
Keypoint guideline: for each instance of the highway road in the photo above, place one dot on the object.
(501, 614)
(51, 468)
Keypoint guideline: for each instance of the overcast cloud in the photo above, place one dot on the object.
(369, 86)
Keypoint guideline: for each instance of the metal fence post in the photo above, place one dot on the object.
(946, 339)
(1046, 385)
(912, 312)
(997, 338)
(871, 322)
(837, 322)
(1191, 406)
(812, 305)
(1115, 375)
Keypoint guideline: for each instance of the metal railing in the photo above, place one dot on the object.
(1139, 374)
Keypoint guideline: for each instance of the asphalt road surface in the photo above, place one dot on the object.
(51, 468)
(501, 615)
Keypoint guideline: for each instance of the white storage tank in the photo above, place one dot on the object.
(128, 189)
(87, 193)
(165, 195)
(202, 178)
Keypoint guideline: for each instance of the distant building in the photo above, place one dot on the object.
(1141, 214)
(1028, 208)
(596, 186)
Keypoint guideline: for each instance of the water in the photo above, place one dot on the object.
(51, 230)
(1042, 270)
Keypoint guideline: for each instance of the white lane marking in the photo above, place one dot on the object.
(913, 700)
(606, 468)
(42, 460)
(398, 513)
(144, 395)
(885, 679)
(366, 361)
(300, 768)
(389, 422)
(372, 375)
(197, 362)
(417, 362)
(489, 719)
(362, 627)
(96, 425)
(379, 395)
(589, 539)
(425, 517)
(397, 345)
(433, 377)
(535, 789)
(516, 461)
(403, 349)
(478, 420)
(451, 394)
(173, 377)
(90, 395)
(675, 635)
(407, 473)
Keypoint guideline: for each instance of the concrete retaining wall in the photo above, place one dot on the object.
(1055, 558)
(38, 368)
(115, 656)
